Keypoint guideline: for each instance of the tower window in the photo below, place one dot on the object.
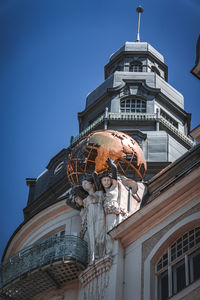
(155, 70)
(168, 118)
(180, 264)
(135, 67)
(133, 106)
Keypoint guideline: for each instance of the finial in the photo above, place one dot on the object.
(139, 9)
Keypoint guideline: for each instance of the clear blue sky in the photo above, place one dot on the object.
(52, 54)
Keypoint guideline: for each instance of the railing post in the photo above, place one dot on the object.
(106, 118)
(157, 119)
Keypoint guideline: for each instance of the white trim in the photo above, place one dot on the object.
(147, 263)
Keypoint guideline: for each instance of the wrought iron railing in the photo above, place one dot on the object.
(43, 253)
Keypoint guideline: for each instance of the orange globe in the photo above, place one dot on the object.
(92, 152)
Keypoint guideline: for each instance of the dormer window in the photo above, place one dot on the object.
(135, 66)
(133, 106)
(155, 70)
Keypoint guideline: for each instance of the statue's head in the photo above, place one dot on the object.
(88, 183)
(106, 181)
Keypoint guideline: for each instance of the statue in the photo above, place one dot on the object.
(78, 194)
(112, 207)
(93, 204)
(104, 198)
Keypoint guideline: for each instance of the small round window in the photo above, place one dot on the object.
(58, 168)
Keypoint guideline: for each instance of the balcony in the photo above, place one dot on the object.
(47, 263)
(109, 116)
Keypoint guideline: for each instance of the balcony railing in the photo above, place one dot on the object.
(176, 131)
(133, 117)
(49, 262)
(88, 129)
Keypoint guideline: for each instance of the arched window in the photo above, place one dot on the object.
(133, 106)
(180, 264)
(135, 66)
(155, 70)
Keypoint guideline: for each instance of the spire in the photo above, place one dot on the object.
(139, 9)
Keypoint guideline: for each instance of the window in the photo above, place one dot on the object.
(180, 264)
(168, 118)
(154, 69)
(133, 106)
(135, 66)
(58, 168)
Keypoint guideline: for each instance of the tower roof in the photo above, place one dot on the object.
(137, 47)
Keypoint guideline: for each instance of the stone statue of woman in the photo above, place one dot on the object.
(93, 204)
(78, 194)
(111, 201)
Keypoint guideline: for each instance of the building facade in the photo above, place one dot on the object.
(156, 247)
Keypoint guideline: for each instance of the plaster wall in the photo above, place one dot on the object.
(116, 273)
(132, 272)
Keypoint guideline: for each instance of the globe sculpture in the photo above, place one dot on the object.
(91, 154)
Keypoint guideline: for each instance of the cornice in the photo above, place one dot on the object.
(161, 208)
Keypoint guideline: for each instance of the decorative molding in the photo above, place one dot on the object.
(166, 204)
(93, 271)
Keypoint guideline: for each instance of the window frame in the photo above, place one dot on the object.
(136, 66)
(185, 259)
(133, 105)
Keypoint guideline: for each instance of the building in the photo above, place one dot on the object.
(156, 252)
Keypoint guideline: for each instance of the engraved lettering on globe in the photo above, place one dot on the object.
(92, 152)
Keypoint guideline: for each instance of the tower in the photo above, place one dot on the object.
(45, 256)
